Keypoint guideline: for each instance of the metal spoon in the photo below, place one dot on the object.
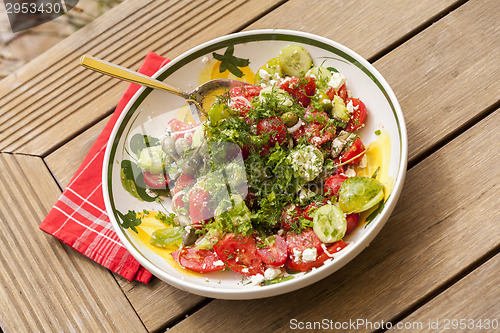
(197, 99)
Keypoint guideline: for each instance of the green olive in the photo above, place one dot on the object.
(168, 145)
(289, 118)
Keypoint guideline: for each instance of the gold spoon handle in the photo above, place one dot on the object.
(126, 74)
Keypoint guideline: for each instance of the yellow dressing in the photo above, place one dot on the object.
(378, 156)
(148, 225)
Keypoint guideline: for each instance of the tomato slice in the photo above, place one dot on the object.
(290, 216)
(356, 148)
(198, 260)
(359, 115)
(305, 240)
(276, 129)
(352, 222)
(301, 89)
(247, 91)
(180, 128)
(342, 93)
(184, 181)
(201, 208)
(275, 252)
(239, 254)
(332, 184)
(156, 181)
(302, 266)
(316, 134)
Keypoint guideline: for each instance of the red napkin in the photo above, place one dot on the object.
(79, 217)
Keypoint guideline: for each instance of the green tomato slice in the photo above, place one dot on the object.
(166, 237)
(357, 194)
(329, 223)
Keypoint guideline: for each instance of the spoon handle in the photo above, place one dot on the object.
(126, 74)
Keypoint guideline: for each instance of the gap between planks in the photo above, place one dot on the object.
(445, 286)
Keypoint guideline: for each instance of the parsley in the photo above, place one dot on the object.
(130, 220)
(168, 220)
(377, 132)
(230, 62)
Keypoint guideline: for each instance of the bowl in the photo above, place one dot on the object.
(149, 110)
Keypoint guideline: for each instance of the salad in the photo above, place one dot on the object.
(266, 186)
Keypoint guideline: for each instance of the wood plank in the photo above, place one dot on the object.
(367, 27)
(48, 107)
(46, 286)
(434, 74)
(482, 285)
(442, 224)
(65, 161)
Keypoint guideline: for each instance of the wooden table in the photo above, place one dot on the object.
(436, 260)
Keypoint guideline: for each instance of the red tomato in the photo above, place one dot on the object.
(308, 212)
(241, 104)
(184, 181)
(155, 181)
(300, 132)
(317, 136)
(300, 89)
(314, 116)
(301, 266)
(352, 222)
(332, 184)
(359, 115)
(239, 254)
(340, 169)
(275, 253)
(200, 206)
(198, 260)
(290, 216)
(356, 148)
(248, 91)
(182, 127)
(342, 93)
(177, 202)
(276, 129)
(305, 240)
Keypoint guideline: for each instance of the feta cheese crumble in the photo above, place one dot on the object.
(309, 255)
(336, 81)
(272, 273)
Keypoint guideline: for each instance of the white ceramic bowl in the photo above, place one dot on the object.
(149, 111)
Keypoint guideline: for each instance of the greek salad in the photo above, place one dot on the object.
(266, 186)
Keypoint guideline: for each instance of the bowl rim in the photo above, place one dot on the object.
(250, 292)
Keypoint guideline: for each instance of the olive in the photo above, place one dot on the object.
(189, 236)
(181, 146)
(168, 145)
(190, 166)
(289, 118)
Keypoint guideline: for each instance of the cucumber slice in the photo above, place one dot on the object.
(357, 194)
(295, 60)
(329, 224)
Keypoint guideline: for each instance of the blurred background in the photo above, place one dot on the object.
(16, 49)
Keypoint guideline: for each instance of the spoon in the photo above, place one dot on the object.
(197, 99)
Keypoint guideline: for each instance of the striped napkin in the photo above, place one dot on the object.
(79, 216)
